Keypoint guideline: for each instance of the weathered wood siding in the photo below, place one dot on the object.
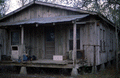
(87, 33)
(34, 41)
(2, 40)
(38, 11)
(90, 35)
(60, 40)
(107, 55)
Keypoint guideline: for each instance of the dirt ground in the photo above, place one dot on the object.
(13, 72)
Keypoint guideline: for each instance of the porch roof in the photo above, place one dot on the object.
(46, 20)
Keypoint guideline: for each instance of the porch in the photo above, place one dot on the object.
(44, 38)
(45, 63)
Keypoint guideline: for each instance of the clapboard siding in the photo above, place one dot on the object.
(34, 41)
(87, 39)
(107, 55)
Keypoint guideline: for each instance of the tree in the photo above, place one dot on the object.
(3, 7)
(23, 2)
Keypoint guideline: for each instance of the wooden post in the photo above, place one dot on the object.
(74, 70)
(74, 44)
(94, 59)
(22, 35)
(22, 42)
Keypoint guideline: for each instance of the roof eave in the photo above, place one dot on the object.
(64, 7)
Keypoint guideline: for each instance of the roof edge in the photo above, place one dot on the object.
(50, 5)
(17, 10)
(64, 7)
(105, 19)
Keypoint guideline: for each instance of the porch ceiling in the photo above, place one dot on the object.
(46, 20)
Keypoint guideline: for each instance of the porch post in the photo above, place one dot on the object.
(74, 44)
(22, 35)
(74, 70)
(22, 42)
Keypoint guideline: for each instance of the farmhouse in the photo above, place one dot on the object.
(57, 36)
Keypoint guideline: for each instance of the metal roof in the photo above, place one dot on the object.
(56, 6)
(46, 20)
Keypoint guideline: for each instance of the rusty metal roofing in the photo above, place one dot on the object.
(46, 20)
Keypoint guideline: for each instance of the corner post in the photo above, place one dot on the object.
(94, 65)
(74, 70)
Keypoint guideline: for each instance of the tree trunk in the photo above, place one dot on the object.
(116, 33)
(22, 2)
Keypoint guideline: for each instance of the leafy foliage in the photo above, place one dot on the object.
(3, 7)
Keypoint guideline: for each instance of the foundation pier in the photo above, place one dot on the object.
(23, 70)
(74, 72)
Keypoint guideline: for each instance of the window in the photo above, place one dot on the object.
(111, 42)
(71, 39)
(14, 38)
(50, 36)
(102, 40)
(100, 45)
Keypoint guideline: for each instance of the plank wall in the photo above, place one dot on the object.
(38, 11)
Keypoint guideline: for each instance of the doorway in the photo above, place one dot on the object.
(49, 42)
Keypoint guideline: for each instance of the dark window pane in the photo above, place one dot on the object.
(100, 45)
(71, 39)
(78, 33)
(79, 55)
(14, 38)
(103, 45)
(50, 36)
(78, 44)
(71, 33)
(71, 44)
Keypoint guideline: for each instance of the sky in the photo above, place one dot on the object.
(13, 5)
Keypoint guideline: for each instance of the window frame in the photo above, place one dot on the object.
(102, 40)
(111, 42)
(11, 36)
(71, 39)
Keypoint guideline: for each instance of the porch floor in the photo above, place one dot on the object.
(48, 61)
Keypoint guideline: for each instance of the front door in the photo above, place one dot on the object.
(49, 42)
